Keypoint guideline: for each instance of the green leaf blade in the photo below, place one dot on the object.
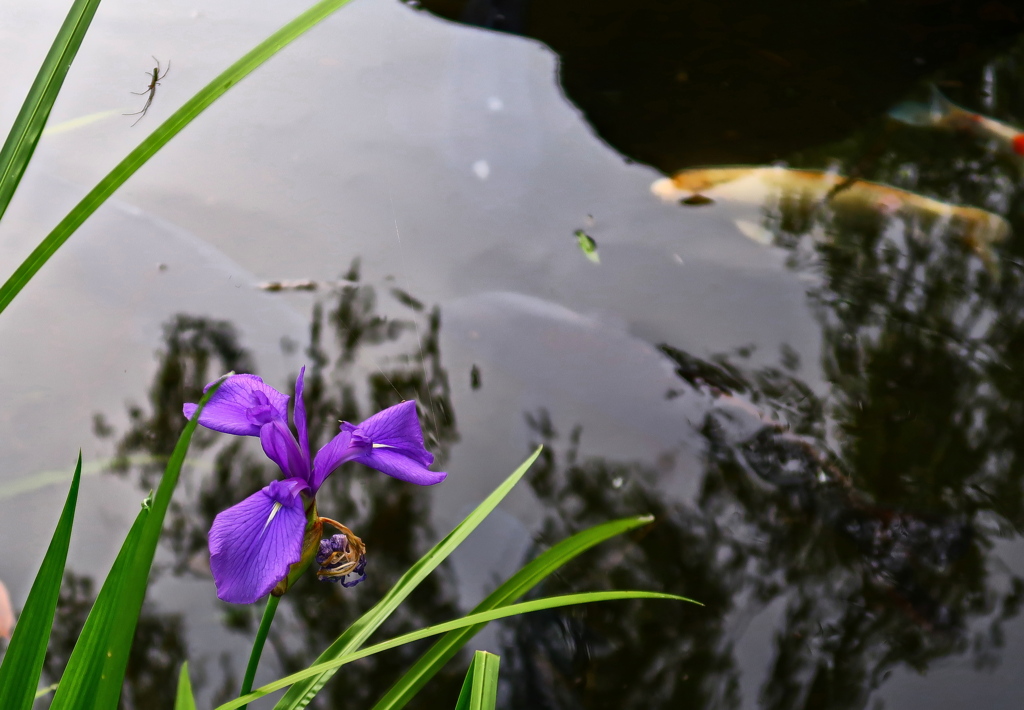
(23, 661)
(512, 589)
(28, 126)
(95, 671)
(86, 669)
(302, 693)
(480, 691)
(184, 700)
(319, 669)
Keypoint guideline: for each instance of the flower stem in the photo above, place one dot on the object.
(257, 646)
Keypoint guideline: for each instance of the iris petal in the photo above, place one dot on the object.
(334, 453)
(300, 418)
(226, 410)
(397, 428)
(395, 463)
(253, 543)
(279, 445)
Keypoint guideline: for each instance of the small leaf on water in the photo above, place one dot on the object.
(587, 245)
(6, 613)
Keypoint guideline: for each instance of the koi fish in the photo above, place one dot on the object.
(757, 185)
(940, 112)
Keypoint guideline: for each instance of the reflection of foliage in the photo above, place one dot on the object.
(865, 587)
(156, 656)
(864, 517)
(391, 517)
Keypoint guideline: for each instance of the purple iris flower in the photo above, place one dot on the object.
(254, 544)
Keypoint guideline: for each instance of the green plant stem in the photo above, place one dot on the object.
(257, 646)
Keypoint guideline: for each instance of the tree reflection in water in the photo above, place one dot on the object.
(394, 519)
(867, 517)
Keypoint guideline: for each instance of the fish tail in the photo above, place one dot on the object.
(938, 111)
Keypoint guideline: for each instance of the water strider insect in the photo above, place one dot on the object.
(151, 89)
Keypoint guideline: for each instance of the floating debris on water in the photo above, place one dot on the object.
(696, 201)
(302, 285)
(587, 245)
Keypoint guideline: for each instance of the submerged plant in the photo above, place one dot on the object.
(264, 543)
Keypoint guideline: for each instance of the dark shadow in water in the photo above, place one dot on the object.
(677, 84)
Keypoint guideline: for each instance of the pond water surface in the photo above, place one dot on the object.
(823, 408)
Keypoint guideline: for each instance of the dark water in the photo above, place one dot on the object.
(826, 429)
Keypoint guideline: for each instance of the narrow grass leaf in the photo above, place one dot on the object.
(95, 671)
(28, 126)
(483, 617)
(513, 588)
(158, 139)
(86, 666)
(185, 700)
(299, 696)
(480, 689)
(23, 662)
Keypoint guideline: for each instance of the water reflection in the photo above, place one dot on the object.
(862, 519)
(871, 545)
(393, 519)
(850, 528)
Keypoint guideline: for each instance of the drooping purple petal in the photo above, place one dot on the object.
(396, 464)
(396, 428)
(253, 543)
(334, 453)
(279, 445)
(300, 417)
(227, 410)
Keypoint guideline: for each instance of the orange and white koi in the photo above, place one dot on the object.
(763, 185)
(940, 112)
